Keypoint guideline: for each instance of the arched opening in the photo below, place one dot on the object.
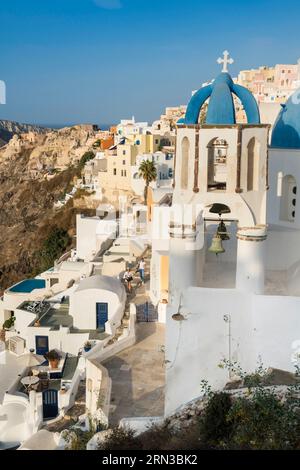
(217, 165)
(185, 150)
(288, 199)
(252, 164)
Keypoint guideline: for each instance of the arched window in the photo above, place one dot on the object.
(185, 150)
(217, 164)
(288, 199)
(253, 165)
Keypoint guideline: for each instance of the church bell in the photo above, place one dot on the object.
(222, 231)
(216, 245)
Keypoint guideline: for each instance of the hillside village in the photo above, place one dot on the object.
(137, 261)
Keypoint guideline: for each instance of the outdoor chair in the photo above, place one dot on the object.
(44, 380)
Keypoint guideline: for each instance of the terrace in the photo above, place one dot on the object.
(10, 367)
(56, 315)
(48, 379)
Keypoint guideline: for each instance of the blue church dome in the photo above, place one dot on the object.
(221, 108)
(286, 132)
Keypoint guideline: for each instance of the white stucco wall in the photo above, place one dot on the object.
(286, 161)
(93, 234)
(11, 300)
(261, 328)
(83, 308)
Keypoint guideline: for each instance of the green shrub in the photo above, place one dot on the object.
(53, 247)
(9, 323)
(263, 421)
(87, 156)
(80, 441)
(97, 143)
(259, 419)
(214, 424)
(121, 439)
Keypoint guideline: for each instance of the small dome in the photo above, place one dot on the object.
(221, 108)
(286, 132)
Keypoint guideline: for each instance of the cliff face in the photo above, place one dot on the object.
(54, 149)
(9, 128)
(27, 195)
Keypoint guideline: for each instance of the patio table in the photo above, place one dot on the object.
(29, 380)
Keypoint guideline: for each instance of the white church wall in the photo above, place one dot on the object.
(263, 329)
(195, 347)
(277, 330)
(190, 135)
(283, 248)
(260, 134)
(254, 195)
(282, 162)
(239, 208)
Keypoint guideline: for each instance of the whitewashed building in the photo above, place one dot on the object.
(164, 163)
(233, 288)
(98, 303)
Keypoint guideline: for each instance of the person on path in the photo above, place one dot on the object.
(128, 279)
(141, 270)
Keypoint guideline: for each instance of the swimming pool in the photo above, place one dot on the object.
(28, 285)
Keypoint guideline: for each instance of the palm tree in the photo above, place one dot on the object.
(147, 171)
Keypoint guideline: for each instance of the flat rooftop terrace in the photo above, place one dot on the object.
(54, 318)
(10, 366)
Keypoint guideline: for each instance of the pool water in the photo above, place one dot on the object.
(28, 285)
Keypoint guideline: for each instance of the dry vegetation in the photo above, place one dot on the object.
(27, 217)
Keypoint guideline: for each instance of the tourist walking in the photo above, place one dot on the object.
(128, 279)
(141, 270)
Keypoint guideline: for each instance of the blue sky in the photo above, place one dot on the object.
(67, 61)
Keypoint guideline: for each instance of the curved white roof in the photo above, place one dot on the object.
(103, 283)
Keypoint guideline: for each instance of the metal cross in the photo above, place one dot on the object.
(225, 61)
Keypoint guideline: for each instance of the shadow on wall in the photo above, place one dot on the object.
(293, 279)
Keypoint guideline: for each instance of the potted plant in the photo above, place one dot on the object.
(8, 324)
(53, 358)
(87, 346)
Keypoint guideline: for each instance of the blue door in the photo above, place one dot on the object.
(41, 345)
(101, 315)
(50, 404)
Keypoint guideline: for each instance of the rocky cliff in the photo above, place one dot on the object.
(54, 149)
(36, 170)
(9, 128)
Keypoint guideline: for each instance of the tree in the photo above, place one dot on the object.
(86, 157)
(148, 172)
(53, 247)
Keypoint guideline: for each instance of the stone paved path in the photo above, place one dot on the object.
(138, 375)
